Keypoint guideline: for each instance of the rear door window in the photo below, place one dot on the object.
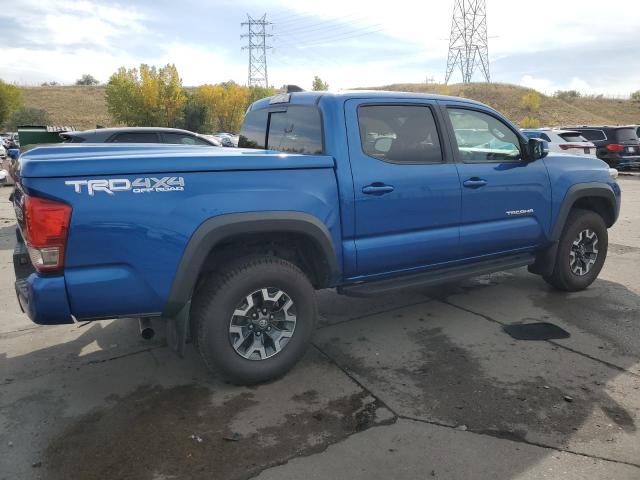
(399, 133)
(592, 135)
(183, 139)
(135, 137)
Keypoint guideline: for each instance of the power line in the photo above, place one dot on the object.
(257, 37)
(468, 47)
(310, 43)
(341, 23)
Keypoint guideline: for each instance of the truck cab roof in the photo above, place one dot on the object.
(310, 98)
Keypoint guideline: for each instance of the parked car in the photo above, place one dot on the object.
(618, 146)
(231, 244)
(563, 141)
(3, 152)
(138, 135)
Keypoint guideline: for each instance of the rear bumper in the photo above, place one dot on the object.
(628, 162)
(42, 298)
(621, 162)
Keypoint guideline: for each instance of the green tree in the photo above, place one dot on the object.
(146, 97)
(28, 116)
(87, 79)
(635, 96)
(10, 100)
(318, 84)
(196, 115)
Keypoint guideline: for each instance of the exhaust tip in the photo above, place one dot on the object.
(146, 329)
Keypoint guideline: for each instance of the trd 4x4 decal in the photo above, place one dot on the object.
(139, 185)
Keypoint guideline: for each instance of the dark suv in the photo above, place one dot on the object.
(618, 146)
(138, 135)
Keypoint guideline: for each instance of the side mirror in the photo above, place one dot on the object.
(538, 149)
(13, 153)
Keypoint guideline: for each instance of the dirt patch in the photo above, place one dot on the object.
(178, 433)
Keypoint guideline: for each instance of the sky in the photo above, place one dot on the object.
(547, 45)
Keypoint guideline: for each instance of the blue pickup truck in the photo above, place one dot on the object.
(367, 192)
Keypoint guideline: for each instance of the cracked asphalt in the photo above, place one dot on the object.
(416, 384)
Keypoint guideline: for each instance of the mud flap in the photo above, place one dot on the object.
(177, 328)
(545, 261)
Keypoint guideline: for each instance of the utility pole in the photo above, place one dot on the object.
(468, 47)
(257, 36)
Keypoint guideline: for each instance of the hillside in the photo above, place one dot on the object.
(552, 112)
(84, 107)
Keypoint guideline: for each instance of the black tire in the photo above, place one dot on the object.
(563, 278)
(214, 305)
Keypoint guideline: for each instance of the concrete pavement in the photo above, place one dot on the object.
(417, 384)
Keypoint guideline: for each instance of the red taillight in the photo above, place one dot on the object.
(615, 147)
(46, 223)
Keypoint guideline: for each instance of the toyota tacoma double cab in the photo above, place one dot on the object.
(365, 192)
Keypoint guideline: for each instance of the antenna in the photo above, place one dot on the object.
(468, 47)
(257, 47)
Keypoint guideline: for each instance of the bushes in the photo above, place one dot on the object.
(87, 79)
(635, 96)
(567, 95)
(28, 116)
(529, 122)
(531, 101)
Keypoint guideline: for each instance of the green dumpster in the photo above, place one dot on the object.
(30, 135)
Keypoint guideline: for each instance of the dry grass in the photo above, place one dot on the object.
(84, 107)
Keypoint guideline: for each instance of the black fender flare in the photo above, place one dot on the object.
(582, 190)
(215, 230)
(545, 260)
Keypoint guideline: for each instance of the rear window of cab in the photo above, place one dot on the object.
(290, 129)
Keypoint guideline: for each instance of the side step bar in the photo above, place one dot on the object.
(437, 276)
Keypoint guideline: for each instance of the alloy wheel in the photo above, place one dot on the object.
(262, 323)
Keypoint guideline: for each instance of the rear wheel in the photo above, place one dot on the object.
(582, 250)
(253, 320)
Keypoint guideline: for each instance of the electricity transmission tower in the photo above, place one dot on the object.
(257, 47)
(468, 47)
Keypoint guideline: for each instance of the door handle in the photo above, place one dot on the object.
(474, 182)
(377, 188)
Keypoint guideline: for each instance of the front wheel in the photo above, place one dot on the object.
(582, 249)
(254, 319)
